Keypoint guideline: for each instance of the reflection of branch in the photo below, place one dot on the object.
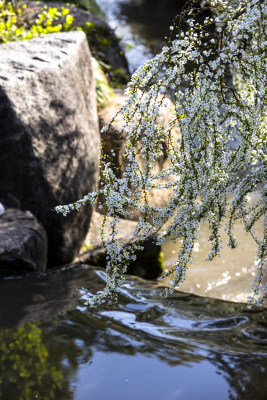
(245, 374)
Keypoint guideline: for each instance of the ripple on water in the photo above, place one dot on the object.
(225, 323)
(258, 335)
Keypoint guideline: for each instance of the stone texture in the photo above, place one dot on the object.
(49, 135)
(23, 242)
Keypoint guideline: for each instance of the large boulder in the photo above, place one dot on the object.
(49, 135)
(23, 242)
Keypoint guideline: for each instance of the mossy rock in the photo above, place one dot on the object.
(105, 47)
(103, 43)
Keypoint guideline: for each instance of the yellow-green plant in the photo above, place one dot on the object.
(15, 26)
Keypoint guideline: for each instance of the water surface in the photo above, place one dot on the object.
(229, 276)
(142, 25)
(145, 347)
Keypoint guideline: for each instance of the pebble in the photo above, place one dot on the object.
(2, 209)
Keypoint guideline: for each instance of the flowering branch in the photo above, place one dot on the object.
(220, 156)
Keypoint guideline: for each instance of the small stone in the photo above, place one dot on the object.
(2, 209)
(23, 242)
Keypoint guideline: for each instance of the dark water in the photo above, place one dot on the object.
(142, 25)
(184, 347)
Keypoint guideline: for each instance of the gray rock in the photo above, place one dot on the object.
(49, 135)
(23, 242)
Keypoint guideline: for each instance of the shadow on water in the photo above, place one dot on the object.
(144, 347)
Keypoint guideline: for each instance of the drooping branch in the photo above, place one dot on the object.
(220, 153)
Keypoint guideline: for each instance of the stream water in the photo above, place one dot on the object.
(141, 24)
(52, 346)
(186, 347)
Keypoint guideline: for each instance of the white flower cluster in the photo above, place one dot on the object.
(221, 155)
(90, 198)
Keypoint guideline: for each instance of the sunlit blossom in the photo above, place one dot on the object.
(220, 157)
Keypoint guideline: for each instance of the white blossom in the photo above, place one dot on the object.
(220, 157)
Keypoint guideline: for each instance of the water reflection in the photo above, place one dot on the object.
(27, 370)
(143, 347)
(244, 375)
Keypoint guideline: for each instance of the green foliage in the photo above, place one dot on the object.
(97, 37)
(13, 25)
(100, 41)
(89, 5)
(104, 92)
(118, 78)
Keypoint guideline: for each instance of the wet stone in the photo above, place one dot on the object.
(23, 242)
